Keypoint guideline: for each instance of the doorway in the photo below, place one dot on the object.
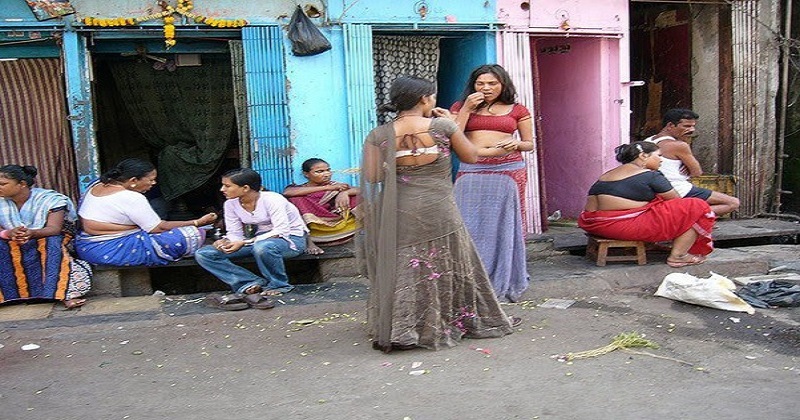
(575, 80)
(179, 117)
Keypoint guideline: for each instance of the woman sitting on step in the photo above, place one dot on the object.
(36, 229)
(279, 233)
(635, 202)
(327, 206)
(120, 228)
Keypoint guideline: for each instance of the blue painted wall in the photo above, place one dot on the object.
(315, 85)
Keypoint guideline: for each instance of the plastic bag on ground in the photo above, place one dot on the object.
(713, 292)
(765, 294)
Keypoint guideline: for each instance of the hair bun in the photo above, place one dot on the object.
(388, 108)
(30, 170)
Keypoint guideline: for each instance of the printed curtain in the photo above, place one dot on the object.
(187, 115)
(402, 56)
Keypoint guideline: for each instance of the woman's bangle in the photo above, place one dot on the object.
(194, 222)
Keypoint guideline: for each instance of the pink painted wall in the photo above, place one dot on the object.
(579, 119)
(583, 15)
(583, 100)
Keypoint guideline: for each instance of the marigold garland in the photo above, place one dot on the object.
(183, 8)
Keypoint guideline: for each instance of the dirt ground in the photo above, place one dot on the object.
(311, 359)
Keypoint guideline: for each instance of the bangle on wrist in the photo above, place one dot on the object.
(194, 222)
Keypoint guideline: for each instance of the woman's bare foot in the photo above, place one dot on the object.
(74, 303)
(313, 249)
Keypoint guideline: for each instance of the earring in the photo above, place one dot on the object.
(133, 185)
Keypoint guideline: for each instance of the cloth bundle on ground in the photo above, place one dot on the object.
(765, 294)
(42, 268)
(713, 292)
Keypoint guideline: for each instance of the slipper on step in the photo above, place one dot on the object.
(258, 301)
(229, 302)
(686, 260)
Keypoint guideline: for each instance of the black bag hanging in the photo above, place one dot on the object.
(306, 38)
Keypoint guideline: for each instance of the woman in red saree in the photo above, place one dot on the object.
(327, 206)
(635, 202)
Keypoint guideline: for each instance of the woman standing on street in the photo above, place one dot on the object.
(428, 287)
(491, 192)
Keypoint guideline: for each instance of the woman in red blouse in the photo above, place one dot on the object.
(491, 192)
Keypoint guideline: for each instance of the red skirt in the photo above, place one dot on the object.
(660, 220)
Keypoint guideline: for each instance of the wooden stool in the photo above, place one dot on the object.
(597, 250)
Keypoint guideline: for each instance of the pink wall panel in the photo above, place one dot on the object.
(583, 15)
(571, 85)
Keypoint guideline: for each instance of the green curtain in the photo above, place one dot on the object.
(187, 115)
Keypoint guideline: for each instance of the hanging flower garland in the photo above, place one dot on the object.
(183, 8)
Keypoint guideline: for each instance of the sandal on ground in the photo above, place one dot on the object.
(686, 260)
(258, 301)
(515, 321)
(229, 302)
(74, 303)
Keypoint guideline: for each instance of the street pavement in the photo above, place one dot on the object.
(173, 357)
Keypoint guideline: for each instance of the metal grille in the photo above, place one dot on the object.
(754, 146)
(265, 71)
(361, 109)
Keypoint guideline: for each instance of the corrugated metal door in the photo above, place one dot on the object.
(265, 73)
(359, 72)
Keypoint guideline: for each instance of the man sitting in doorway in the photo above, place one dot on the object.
(678, 163)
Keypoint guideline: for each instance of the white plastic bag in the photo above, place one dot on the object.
(714, 292)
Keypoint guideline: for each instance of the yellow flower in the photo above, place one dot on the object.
(169, 19)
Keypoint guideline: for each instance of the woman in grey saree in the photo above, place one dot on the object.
(428, 287)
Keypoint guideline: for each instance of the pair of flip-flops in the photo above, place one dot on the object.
(239, 301)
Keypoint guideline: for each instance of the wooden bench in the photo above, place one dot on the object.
(337, 261)
(597, 250)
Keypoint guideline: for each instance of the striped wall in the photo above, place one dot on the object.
(33, 122)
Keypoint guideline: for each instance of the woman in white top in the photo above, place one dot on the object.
(119, 227)
(280, 232)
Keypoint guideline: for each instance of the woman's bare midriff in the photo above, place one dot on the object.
(604, 202)
(486, 141)
(94, 227)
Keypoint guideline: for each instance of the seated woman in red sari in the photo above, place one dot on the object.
(635, 202)
(327, 206)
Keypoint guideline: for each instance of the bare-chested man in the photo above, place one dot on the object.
(678, 163)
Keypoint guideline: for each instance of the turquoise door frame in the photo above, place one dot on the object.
(77, 69)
